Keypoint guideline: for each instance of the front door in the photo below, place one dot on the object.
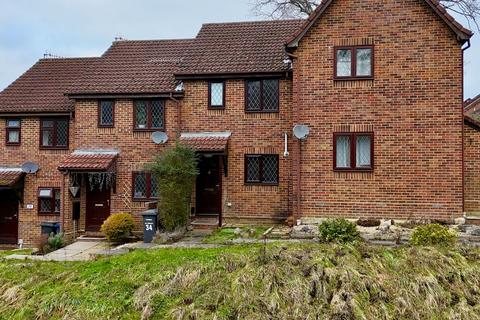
(98, 208)
(8, 217)
(209, 186)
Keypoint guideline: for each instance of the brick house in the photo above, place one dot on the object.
(472, 158)
(381, 92)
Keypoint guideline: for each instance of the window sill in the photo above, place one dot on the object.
(10, 144)
(216, 107)
(353, 170)
(49, 214)
(248, 111)
(261, 184)
(149, 130)
(352, 78)
(105, 126)
(53, 148)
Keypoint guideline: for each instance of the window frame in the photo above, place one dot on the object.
(261, 172)
(99, 114)
(148, 191)
(353, 67)
(8, 129)
(262, 107)
(149, 103)
(353, 151)
(54, 190)
(54, 136)
(214, 107)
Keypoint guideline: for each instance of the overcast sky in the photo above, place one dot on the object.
(30, 28)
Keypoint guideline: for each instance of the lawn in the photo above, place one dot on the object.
(288, 281)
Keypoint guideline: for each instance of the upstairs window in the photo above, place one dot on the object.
(149, 115)
(354, 62)
(106, 113)
(353, 151)
(54, 133)
(13, 132)
(49, 200)
(145, 186)
(216, 95)
(261, 169)
(262, 95)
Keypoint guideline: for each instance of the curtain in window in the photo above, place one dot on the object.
(364, 156)
(140, 186)
(141, 114)
(13, 136)
(344, 63)
(343, 152)
(364, 62)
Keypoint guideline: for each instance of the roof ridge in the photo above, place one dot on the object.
(252, 22)
(154, 40)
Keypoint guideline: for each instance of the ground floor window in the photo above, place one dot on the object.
(49, 200)
(145, 186)
(261, 169)
(353, 151)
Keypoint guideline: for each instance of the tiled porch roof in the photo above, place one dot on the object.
(206, 141)
(10, 176)
(89, 160)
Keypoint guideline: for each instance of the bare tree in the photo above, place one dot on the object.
(284, 9)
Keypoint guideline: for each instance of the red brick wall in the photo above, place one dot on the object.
(47, 176)
(472, 169)
(414, 106)
(251, 133)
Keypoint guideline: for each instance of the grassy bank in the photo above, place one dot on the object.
(288, 282)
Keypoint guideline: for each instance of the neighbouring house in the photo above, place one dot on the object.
(380, 91)
(472, 158)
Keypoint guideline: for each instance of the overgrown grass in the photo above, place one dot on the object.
(225, 235)
(296, 281)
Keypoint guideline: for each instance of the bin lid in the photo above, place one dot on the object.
(151, 212)
(50, 224)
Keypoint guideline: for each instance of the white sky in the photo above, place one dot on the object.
(29, 28)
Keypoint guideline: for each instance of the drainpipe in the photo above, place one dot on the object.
(179, 114)
(463, 127)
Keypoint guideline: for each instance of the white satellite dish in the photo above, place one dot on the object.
(301, 131)
(30, 167)
(159, 137)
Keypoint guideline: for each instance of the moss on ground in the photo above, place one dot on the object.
(225, 235)
(294, 281)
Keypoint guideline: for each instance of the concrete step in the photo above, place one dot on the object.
(86, 238)
(472, 219)
(205, 223)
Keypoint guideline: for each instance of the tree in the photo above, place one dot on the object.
(175, 170)
(284, 9)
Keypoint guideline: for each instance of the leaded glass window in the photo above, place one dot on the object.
(54, 133)
(262, 95)
(217, 94)
(49, 201)
(106, 113)
(149, 114)
(145, 186)
(261, 169)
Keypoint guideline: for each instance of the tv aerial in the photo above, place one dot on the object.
(301, 131)
(159, 137)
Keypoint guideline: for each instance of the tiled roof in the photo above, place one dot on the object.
(42, 88)
(463, 33)
(94, 161)
(214, 142)
(133, 67)
(8, 176)
(472, 111)
(239, 48)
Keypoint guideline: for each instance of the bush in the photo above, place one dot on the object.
(433, 234)
(56, 241)
(175, 170)
(338, 230)
(118, 227)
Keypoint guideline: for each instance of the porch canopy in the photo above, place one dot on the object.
(89, 160)
(10, 177)
(211, 142)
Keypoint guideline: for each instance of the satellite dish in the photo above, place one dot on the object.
(30, 167)
(159, 137)
(301, 131)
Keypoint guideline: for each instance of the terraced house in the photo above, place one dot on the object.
(377, 83)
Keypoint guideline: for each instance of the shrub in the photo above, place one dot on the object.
(175, 170)
(56, 241)
(433, 234)
(118, 227)
(338, 230)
